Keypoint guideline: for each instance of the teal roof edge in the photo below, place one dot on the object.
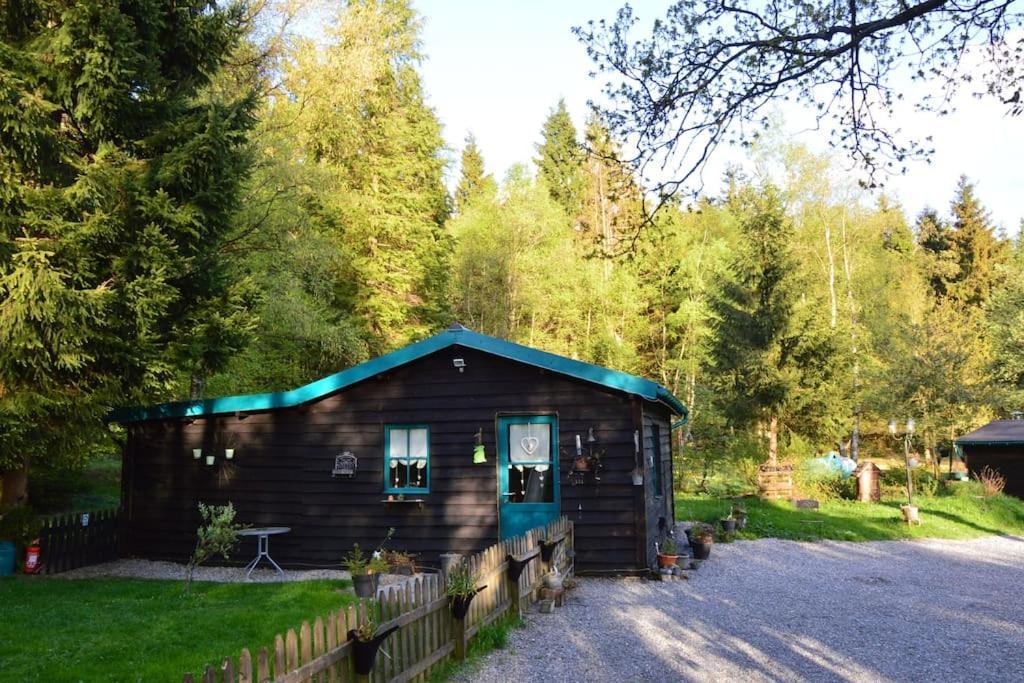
(613, 379)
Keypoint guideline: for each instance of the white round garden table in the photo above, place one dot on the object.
(263, 535)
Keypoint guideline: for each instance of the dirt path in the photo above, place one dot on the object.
(780, 610)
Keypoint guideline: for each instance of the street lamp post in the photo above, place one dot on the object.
(907, 436)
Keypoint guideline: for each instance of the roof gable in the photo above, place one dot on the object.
(996, 432)
(456, 335)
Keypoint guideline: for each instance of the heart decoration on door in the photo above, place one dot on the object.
(529, 444)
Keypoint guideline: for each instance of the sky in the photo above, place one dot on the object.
(496, 69)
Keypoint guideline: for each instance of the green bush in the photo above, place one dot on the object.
(817, 481)
(894, 482)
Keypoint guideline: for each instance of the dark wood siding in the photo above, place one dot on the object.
(281, 473)
(1008, 460)
(657, 449)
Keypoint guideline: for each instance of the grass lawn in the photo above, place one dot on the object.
(56, 629)
(958, 515)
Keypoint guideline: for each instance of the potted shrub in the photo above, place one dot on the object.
(461, 588)
(365, 644)
(729, 524)
(668, 553)
(701, 539)
(365, 570)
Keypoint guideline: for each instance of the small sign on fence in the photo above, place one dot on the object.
(85, 519)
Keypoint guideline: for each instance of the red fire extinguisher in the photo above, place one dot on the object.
(32, 565)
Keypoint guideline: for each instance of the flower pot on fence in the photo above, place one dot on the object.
(365, 585)
(701, 549)
(547, 550)
(364, 652)
(516, 567)
(667, 560)
(460, 604)
(729, 525)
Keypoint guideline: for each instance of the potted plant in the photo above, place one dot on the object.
(399, 562)
(365, 643)
(461, 588)
(701, 538)
(668, 553)
(358, 565)
(729, 524)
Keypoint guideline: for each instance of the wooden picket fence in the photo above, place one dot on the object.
(76, 540)
(428, 634)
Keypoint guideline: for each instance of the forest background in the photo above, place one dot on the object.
(296, 222)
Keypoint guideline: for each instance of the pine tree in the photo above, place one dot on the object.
(561, 161)
(119, 180)
(473, 179)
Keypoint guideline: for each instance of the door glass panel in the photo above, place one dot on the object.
(529, 443)
(530, 479)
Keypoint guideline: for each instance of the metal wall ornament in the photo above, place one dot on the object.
(345, 465)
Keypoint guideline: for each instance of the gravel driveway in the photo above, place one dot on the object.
(781, 610)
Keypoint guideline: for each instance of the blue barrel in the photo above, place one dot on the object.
(7, 552)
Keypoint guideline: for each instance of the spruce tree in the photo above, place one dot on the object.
(119, 179)
(473, 179)
(770, 353)
(561, 161)
(978, 251)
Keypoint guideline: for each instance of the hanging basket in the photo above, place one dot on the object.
(364, 652)
(460, 604)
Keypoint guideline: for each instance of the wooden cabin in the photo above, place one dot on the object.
(999, 445)
(396, 442)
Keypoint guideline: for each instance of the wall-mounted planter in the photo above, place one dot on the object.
(547, 550)
(197, 453)
(516, 567)
(460, 604)
(209, 460)
(229, 453)
(364, 652)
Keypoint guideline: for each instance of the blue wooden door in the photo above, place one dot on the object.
(528, 493)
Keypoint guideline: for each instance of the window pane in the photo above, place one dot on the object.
(399, 442)
(530, 484)
(529, 443)
(417, 443)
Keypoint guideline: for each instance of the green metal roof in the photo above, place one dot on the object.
(456, 335)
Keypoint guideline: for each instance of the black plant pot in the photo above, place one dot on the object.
(547, 550)
(364, 652)
(516, 567)
(365, 585)
(460, 604)
(729, 525)
(701, 551)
